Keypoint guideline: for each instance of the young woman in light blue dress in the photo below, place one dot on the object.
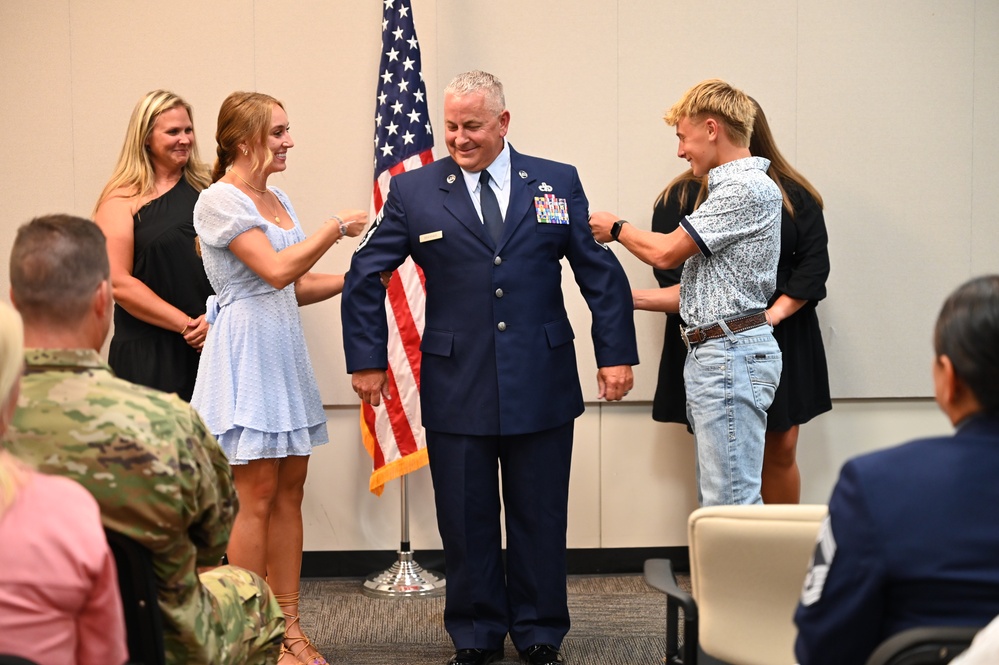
(255, 387)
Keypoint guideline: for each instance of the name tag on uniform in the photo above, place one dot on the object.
(551, 210)
(427, 237)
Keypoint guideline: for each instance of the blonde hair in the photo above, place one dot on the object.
(477, 81)
(715, 98)
(11, 365)
(243, 117)
(11, 350)
(762, 144)
(13, 475)
(681, 182)
(134, 172)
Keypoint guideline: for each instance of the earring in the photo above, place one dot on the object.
(245, 152)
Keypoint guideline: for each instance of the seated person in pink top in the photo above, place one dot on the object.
(59, 599)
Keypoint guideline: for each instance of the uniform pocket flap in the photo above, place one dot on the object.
(559, 332)
(437, 342)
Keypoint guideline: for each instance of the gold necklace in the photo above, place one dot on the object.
(256, 189)
(260, 193)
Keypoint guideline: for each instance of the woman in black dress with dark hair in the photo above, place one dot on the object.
(802, 270)
(146, 212)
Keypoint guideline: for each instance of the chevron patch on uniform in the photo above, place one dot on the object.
(818, 570)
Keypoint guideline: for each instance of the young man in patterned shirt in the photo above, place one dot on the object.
(729, 248)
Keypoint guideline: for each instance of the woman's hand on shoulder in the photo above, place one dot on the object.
(354, 221)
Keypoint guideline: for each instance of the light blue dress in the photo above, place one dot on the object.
(255, 389)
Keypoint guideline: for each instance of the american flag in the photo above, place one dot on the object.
(392, 432)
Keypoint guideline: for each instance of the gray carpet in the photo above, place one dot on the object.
(616, 620)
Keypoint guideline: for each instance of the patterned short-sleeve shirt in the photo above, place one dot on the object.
(737, 230)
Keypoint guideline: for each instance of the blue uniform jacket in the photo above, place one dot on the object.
(497, 349)
(913, 541)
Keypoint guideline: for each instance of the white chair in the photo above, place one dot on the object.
(747, 567)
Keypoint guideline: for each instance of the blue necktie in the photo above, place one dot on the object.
(491, 216)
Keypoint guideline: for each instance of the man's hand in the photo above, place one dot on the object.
(614, 382)
(600, 226)
(371, 385)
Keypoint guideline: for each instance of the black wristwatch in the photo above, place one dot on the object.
(616, 229)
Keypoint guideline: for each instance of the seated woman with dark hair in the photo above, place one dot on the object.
(912, 537)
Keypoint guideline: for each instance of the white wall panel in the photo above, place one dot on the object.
(888, 107)
(36, 108)
(885, 129)
(985, 147)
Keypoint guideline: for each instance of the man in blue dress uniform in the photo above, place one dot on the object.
(499, 386)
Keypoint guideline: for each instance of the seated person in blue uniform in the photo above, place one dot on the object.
(912, 537)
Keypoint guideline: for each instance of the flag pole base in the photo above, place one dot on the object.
(404, 579)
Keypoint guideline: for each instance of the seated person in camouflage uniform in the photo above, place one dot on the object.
(158, 475)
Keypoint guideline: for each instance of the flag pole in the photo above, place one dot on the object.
(403, 141)
(405, 578)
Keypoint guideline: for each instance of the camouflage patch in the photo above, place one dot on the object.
(161, 479)
(247, 619)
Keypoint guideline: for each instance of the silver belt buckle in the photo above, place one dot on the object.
(683, 336)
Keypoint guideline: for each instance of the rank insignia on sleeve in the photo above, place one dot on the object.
(822, 558)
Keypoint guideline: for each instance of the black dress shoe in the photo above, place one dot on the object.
(475, 657)
(541, 654)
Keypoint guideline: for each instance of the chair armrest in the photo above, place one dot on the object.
(927, 644)
(659, 575)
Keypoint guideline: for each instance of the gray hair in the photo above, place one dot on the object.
(479, 81)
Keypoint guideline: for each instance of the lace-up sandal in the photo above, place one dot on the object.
(298, 645)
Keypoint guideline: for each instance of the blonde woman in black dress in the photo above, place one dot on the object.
(146, 213)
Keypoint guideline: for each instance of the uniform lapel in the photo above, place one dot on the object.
(458, 202)
(521, 196)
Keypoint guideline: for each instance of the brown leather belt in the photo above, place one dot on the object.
(694, 336)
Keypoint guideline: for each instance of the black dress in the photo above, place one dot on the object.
(670, 402)
(802, 271)
(166, 261)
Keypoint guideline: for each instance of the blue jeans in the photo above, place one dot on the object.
(730, 383)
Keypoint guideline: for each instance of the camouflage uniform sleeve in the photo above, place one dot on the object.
(211, 495)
